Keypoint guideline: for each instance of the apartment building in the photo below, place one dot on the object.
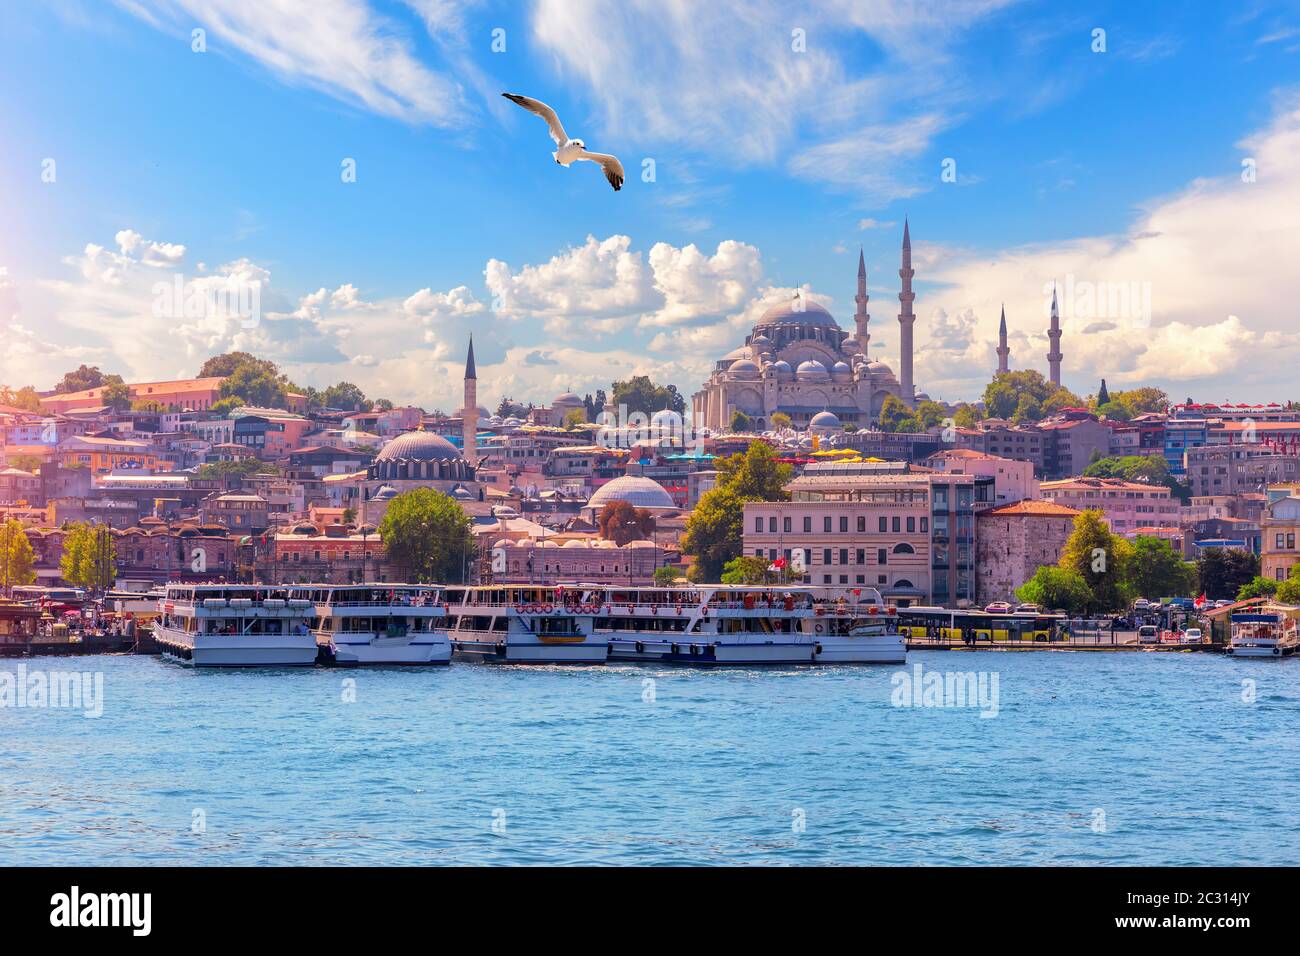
(1126, 505)
(1280, 532)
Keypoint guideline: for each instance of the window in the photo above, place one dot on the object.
(861, 556)
(911, 525)
(844, 525)
(771, 523)
(807, 525)
(826, 524)
(844, 555)
(826, 556)
(758, 525)
(882, 556)
(785, 525)
(904, 548)
(862, 524)
(884, 523)
(925, 525)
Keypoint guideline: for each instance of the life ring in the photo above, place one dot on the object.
(547, 608)
(818, 628)
(654, 609)
(1277, 650)
(519, 609)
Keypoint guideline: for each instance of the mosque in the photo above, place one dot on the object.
(798, 360)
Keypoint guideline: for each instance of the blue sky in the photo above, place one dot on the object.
(771, 166)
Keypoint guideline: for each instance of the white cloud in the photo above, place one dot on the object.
(341, 47)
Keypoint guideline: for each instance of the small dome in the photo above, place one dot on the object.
(483, 413)
(385, 493)
(640, 544)
(503, 543)
(826, 419)
(782, 367)
(760, 341)
(574, 543)
(568, 398)
(636, 490)
(840, 368)
(419, 446)
(461, 493)
(513, 422)
(811, 369)
(744, 369)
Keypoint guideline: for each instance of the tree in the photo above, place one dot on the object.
(428, 533)
(1056, 588)
(512, 409)
(1288, 591)
(620, 522)
(744, 569)
(573, 419)
(1154, 569)
(780, 421)
(117, 396)
(1025, 396)
(595, 405)
(219, 366)
(1259, 586)
(25, 398)
(739, 421)
(17, 561)
(1222, 572)
(931, 414)
(238, 466)
(255, 384)
(381, 405)
(84, 377)
(966, 416)
(1098, 557)
(1059, 399)
(89, 558)
(666, 577)
(896, 416)
(1028, 410)
(349, 516)
(716, 527)
(1115, 411)
(640, 394)
(346, 397)
(1103, 396)
(1140, 401)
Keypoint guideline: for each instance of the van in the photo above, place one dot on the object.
(1148, 634)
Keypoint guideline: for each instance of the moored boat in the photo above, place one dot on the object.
(1265, 631)
(230, 625)
(378, 623)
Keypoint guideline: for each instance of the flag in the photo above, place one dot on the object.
(1200, 601)
(777, 565)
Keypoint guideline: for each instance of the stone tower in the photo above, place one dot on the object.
(1004, 351)
(861, 318)
(1054, 335)
(469, 419)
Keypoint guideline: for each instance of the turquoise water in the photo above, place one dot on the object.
(585, 765)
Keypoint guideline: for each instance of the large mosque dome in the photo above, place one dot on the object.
(636, 490)
(419, 446)
(797, 311)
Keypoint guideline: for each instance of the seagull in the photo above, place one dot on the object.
(570, 150)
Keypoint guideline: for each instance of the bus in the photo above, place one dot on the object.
(945, 625)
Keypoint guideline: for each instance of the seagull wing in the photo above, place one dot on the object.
(545, 112)
(613, 168)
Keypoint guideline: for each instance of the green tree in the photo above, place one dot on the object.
(1154, 569)
(26, 398)
(715, 528)
(255, 384)
(346, 397)
(1259, 586)
(1056, 588)
(1099, 558)
(219, 366)
(1140, 401)
(739, 421)
(931, 414)
(1288, 591)
(573, 419)
(429, 534)
(117, 396)
(1028, 410)
(84, 377)
(89, 557)
(17, 560)
(895, 416)
(1059, 399)
(666, 577)
(1103, 396)
(1115, 411)
(238, 466)
(1222, 572)
(744, 569)
(640, 394)
(966, 416)
(780, 421)
(382, 405)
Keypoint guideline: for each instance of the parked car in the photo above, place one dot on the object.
(998, 607)
(1026, 609)
(1141, 604)
(1191, 636)
(1148, 634)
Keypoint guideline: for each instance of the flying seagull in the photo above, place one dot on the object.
(570, 150)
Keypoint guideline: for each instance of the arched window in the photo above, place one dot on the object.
(903, 583)
(904, 548)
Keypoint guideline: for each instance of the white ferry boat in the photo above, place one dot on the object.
(523, 625)
(1266, 631)
(231, 625)
(378, 623)
(720, 625)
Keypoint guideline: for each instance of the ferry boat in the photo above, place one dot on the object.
(721, 625)
(231, 625)
(1266, 631)
(523, 625)
(378, 623)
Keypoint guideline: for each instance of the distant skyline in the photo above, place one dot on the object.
(1154, 182)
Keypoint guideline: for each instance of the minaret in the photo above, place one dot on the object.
(861, 318)
(1004, 351)
(1054, 334)
(469, 417)
(906, 319)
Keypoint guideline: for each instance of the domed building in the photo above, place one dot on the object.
(636, 490)
(416, 459)
(798, 360)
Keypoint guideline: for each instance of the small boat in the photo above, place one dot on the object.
(1264, 631)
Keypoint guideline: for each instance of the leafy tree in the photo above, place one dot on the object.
(255, 384)
(715, 529)
(382, 405)
(780, 421)
(1259, 586)
(1099, 558)
(429, 534)
(1103, 396)
(345, 396)
(1288, 591)
(895, 416)
(84, 377)
(620, 522)
(745, 569)
(1056, 588)
(1222, 572)
(1149, 468)
(117, 396)
(1154, 569)
(1024, 395)
(595, 405)
(147, 405)
(1028, 410)
(25, 398)
(238, 466)
(17, 560)
(349, 515)
(640, 394)
(573, 419)
(740, 421)
(1115, 411)
(966, 416)
(219, 366)
(1059, 399)
(89, 558)
(666, 577)
(30, 463)
(512, 409)
(931, 414)
(222, 407)
(1140, 401)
